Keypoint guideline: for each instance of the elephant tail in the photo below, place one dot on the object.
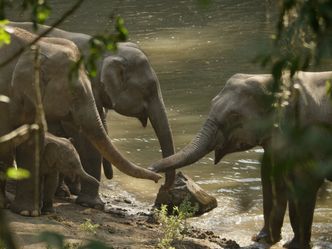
(108, 170)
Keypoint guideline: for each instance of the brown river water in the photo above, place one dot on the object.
(194, 50)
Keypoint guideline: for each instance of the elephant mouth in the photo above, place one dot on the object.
(219, 153)
(143, 120)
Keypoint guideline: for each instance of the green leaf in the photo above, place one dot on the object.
(17, 173)
(4, 35)
(96, 245)
(120, 27)
(43, 12)
(52, 239)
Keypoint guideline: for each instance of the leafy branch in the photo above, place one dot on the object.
(44, 33)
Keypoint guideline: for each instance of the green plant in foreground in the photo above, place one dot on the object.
(57, 241)
(88, 226)
(174, 225)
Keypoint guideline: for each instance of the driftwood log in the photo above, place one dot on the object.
(185, 188)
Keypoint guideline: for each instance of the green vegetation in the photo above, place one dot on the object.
(175, 225)
(89, 227)
(17, 173)
(57, 241)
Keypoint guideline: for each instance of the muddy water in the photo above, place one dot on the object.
(194, 50)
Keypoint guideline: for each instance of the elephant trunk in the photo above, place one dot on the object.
(203, 143)
(158, 118)
(87, 117)
(88, 177)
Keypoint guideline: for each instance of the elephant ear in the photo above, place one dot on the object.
(24, 76)
(113, 75)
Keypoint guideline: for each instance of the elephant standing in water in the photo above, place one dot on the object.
(127, 84)
(63, 100)
(236, 123)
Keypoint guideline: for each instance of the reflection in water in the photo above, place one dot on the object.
(194, 51)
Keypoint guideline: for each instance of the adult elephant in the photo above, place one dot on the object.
(127, 84)
(63, 99)
(237, 122)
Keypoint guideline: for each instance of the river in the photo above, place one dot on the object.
(194, 50)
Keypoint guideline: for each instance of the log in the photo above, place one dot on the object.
(185, 188)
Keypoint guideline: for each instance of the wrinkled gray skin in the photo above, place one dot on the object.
(63, 100)
(59, 155)
(127, 84)
(236, 123)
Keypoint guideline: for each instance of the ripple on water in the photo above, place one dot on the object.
(244, 180)
(248, 161)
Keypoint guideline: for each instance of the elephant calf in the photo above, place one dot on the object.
(59, 155)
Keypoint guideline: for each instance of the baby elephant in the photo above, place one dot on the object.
(59, 156)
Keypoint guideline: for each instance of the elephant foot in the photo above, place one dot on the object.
(92, 202)
(47, 208)
(74, 188)
(264, 236)
(295, 244)
(3, 204)
(24, 209)
(62, 191)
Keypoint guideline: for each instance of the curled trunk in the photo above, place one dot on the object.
(203, 143)
(87, 117)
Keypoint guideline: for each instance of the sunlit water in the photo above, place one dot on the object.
(194, 50)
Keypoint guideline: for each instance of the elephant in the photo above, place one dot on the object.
(63, 100)
(238, 120)
(125, 83)
(58, 156)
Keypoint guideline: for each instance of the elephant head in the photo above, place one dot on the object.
(59, 154)
(131, 87)
(64, 98)
(233, 124)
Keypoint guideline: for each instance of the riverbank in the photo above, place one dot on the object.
(125, 223)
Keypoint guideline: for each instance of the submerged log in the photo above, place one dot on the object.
(185, 188)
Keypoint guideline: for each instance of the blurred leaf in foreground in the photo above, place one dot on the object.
(17, 173)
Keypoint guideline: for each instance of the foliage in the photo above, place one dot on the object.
(174, 225)
(303, 37)
(17, 173)
(4, 35)
(55, 240)
(40, 10)
(88, 226)
(99, 44)
(303, 40)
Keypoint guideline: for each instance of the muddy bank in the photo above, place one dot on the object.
(126, 223)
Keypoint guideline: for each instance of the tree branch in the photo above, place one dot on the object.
(47, 31)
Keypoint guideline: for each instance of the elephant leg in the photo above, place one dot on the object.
(91, 161)
(302, 203)
(2, 185)
(62, 190)
(27, 196)
(7, 160)
(3, 201)
(50, 184)
(73, 185)
(274, 204)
